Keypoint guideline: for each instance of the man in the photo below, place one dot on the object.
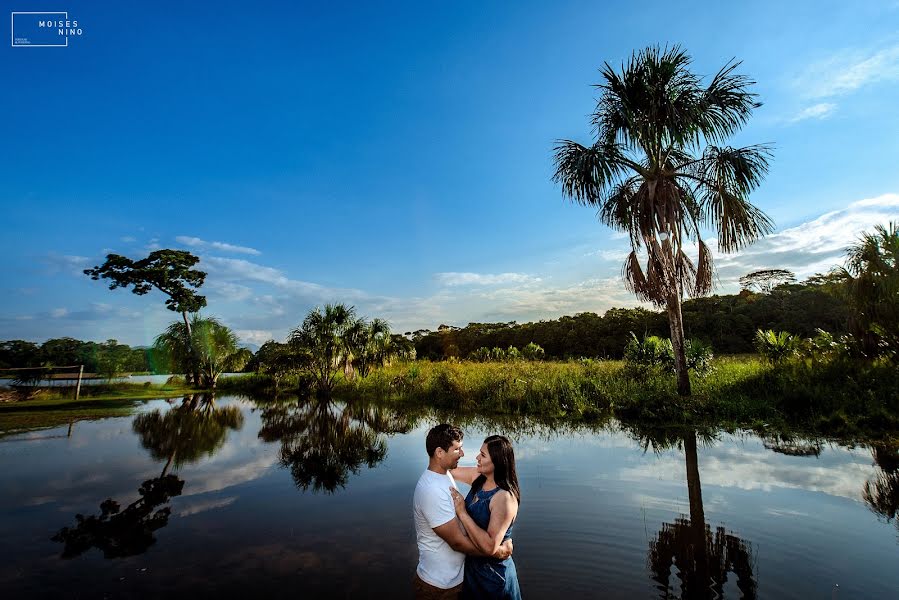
(442, 542)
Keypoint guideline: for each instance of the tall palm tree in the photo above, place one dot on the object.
(658, 172)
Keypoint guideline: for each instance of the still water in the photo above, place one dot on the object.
(313, 499)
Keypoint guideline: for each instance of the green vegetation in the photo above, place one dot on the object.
(872, 286)
(657, 172)
(836, 397)
(203, 347)
(727, 323)
(108, 359)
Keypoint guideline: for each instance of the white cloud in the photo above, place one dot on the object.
(228, 291)
(848, 71)
(58, 313)
(67, 263)
(453, 279)
(613, 255)
(814, 246)
(196, 242)
(254, 336)
(821, 110)
(128, 239)
(193, 508)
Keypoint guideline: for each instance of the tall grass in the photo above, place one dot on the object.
(741, 391)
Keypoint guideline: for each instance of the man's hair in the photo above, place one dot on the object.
(442, 436)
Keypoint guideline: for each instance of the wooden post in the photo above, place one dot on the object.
(78, 386)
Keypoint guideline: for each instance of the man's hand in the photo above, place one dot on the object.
(504, 551)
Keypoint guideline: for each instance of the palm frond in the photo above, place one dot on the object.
(726, 104)
(585, 173)
(704, 271)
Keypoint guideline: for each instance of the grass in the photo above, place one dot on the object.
(846, 399)
(838, 399)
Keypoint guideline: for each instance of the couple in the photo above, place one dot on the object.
(464, 544)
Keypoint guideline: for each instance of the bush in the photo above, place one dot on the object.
(699, 356)
(533, 352)
(650, 352)
(775, 346)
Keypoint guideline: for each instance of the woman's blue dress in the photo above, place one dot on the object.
(488, 577)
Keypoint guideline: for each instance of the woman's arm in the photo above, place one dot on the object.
(503, 509)
(465, 474)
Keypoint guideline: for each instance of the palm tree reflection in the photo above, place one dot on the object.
(188, 432)
(183, 434)
(322, 441)
(702, 558)
(882, 493)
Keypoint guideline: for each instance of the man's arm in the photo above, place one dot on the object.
(452, 533)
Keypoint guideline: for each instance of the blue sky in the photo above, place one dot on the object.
(398, 157)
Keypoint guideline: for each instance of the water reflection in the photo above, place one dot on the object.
(119, 533)
(702, 559)
(881, 493)
(183, 434)
(323, 441)
(188, 432)
(791, 446)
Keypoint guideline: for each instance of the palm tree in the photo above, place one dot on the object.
(657, 172)
(872, 275)
(205, 350)
(323, 335)
(702, 558)
(367, 345)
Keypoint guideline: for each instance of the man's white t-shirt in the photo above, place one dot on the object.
(432, 506)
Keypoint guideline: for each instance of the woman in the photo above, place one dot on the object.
(487, 514)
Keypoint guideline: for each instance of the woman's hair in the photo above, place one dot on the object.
(503, 457)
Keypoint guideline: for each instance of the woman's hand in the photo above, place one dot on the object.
(458, 500)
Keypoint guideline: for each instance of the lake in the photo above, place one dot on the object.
(313, 499)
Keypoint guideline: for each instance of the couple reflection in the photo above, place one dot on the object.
(700, 558)
(181, 435)
(323, 441)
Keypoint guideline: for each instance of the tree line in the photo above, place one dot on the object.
(726, 322)
(97, 357)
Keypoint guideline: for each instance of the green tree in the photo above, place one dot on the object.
(767, 279)
(169, 271)
(323, 335)
(657, 172)
(207, 348)
(872, 281)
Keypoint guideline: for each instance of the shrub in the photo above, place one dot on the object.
(699, 356)
(533, 352)
(650, 352)
(775, 346)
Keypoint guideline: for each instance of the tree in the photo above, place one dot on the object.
(169, 271)
(872, 281)
(767, 279)
(366, 345)
(656, 172)
(279, 360)
(206, 348)
(323, 335)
